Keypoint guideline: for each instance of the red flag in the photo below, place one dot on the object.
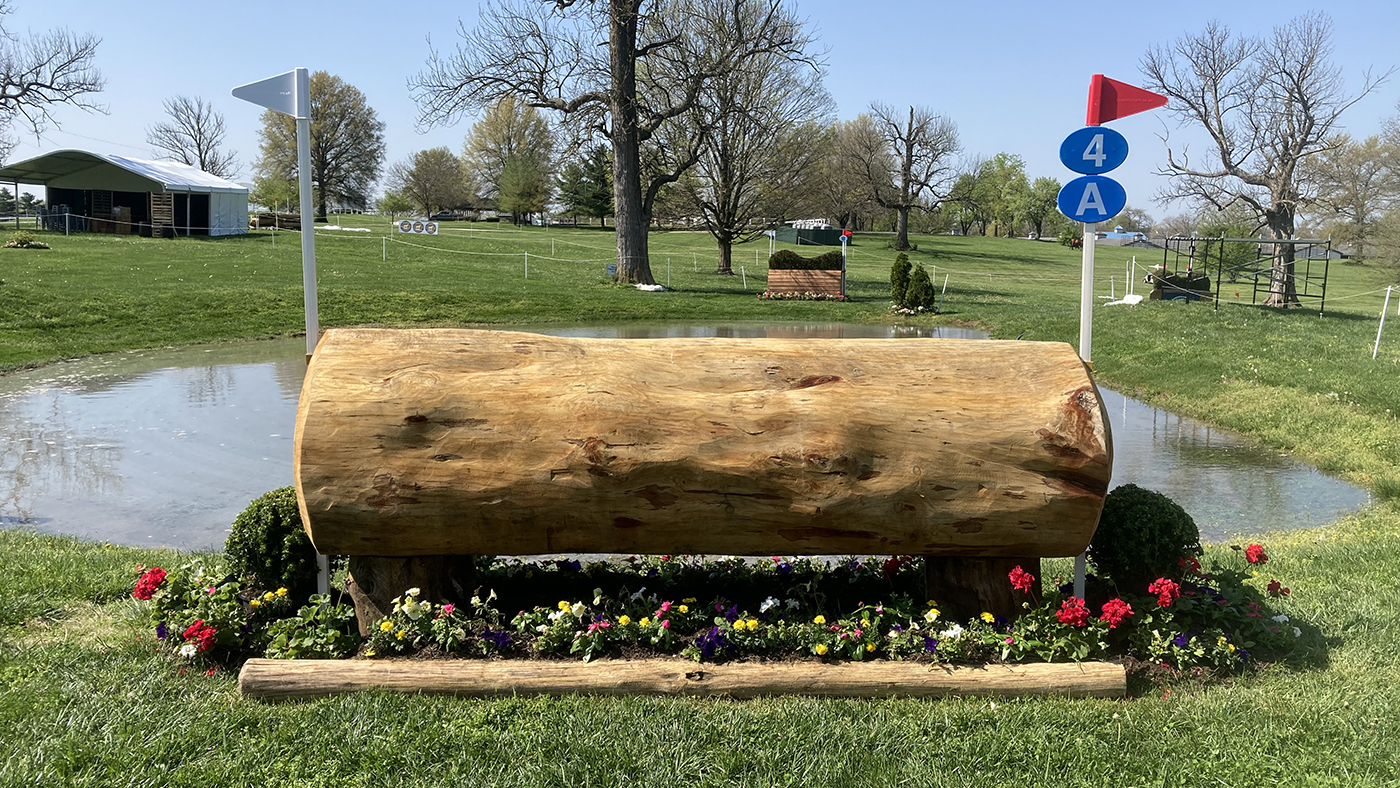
(1110, 99)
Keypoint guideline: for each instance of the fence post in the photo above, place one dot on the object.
(1384, 308)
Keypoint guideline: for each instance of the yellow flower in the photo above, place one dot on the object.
(269, 596)
(753, 625)
(369, 652)
(932, 603)
(683, 608)
(386, 625)
(688, 599)
(821, 649)
(529, 573)
(865, 623)
(988, 617)
(281, 592)
(624, 620)
(1220, 641)
(400, 634)
(819, 620)
(564, 605)
(931, 616)
(1232, 648)
(869, 646)
(645, 621)
(256, 603)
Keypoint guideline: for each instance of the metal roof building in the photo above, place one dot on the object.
(123, 195)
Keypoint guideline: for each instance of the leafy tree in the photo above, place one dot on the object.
(838, 183)
(1132, 220)
(1267, 105)
(509, 129)
(1357, 183)
(908, 163)
(7, 202)
(277, 193)
(394, 204)
(193, 135)
(1002, 190)
(1040, 203)
(659, 58)
(899, 277)
(28, 204)
(524, 187)
(41, 71)
(585, 186)
(347, 144)
(431, 179)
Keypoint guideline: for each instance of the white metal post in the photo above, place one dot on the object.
(1384, 308)
(745, 275)
(308, 221)
(384, 253)
(1086, 297)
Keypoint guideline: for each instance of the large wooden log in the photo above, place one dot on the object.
(274, 680)
(439, 442)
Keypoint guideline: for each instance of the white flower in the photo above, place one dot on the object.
(188, 650)
(553, 617)
(415, 609)
(414, 592)
(793, 604)
(578, 610)
(1281, 619)
(768, 604)
(932, 616)
(955, 631)
(1297, 633)
(597, 596)
(637, 596)
(542, 628)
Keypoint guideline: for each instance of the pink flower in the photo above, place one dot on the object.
(665, 608)
(210, 589)
(448, 608)
(1010, 640)
(604, 624)
(666, 624)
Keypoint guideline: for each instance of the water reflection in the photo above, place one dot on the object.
(167, 446)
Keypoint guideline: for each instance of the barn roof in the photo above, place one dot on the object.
(79, 169)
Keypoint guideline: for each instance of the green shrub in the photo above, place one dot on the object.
(1142, 535)
(23, 239)
(899, 278)
(269, 545)
(788, 260)
(319, 630)
(920, 293)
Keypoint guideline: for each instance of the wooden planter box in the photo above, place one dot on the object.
(797, 281)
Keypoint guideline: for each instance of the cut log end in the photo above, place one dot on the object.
(281, 680)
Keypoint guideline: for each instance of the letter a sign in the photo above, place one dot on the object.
(1091, 199)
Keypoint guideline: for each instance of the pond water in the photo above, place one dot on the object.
(165, 447)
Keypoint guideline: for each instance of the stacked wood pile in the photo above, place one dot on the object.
(789, 272)
(281, 221)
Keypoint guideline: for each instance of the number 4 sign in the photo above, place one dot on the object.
(1094, 150)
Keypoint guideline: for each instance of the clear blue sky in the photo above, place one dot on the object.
(1014, 76)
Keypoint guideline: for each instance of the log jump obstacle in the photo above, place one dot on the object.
(416, 449)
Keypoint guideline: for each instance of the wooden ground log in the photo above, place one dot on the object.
(457, 442)
(274, 680)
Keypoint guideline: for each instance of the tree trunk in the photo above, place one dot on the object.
(901, 229)
(450, 441)
(966, 588)
(1282, 290)
(629, 217)
(376, 580)
(726, 256)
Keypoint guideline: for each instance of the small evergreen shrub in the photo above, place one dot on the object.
(899, 278)
(920, 293)
(268, 544)
(788, 260)
(1142, 535)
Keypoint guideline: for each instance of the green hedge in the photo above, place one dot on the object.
(787, 260)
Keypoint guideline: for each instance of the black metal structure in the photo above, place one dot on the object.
(1251, 260)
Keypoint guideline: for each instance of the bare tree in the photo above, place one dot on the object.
(659, 56)
(839, 184)
(1268, 105)
(431, 179)
(763, 127)
(194, 135)
(40, 72)
(913, 167)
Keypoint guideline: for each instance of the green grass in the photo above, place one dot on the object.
(82, 702)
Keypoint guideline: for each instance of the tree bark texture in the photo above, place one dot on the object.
(965, 588)
(376, 580)
(284, 679)
(625, 133)
(451, 441)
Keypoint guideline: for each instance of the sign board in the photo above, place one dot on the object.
(277, 93)
(612, 269)
(1092, 198)
(418, 227)
(1094, 150)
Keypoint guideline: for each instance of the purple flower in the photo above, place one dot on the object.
(711, 642)
(930, 645)
(160, 630)
(898, 627)
(499, 639)
(1181, 640)
(784, 567)
(732, 614)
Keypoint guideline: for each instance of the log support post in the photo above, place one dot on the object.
(966, 587)
(375, 580)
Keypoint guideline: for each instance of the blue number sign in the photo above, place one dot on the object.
(1092, 198)
(1094, 150)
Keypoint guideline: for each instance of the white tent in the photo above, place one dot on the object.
(177, 193)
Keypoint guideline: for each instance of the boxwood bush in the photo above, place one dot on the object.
(788, 260)
(268, 545)
(1142, 535)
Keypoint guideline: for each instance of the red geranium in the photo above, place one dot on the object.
(1114, 611)
(149, 582)
(1073, 612)
(1255, 554)
(1021, 580)
(1276, 589)
(1189, 565)
(1167, 591)
(201, 635)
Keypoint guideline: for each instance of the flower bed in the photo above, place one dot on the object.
(731, 609)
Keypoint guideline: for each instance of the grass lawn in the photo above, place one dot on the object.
(82, 702)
